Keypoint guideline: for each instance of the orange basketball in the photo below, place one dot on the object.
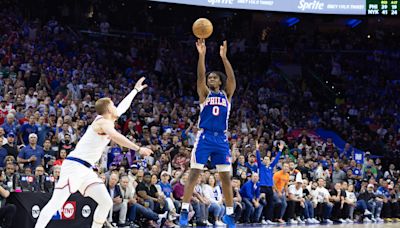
(202, 28)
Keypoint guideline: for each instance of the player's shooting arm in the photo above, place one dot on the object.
(230, 80)
(202, 89)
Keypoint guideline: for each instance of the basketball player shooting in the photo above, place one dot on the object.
(215, 91)
(76, 173)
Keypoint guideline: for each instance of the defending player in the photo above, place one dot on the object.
(76, 173)
(215, 92)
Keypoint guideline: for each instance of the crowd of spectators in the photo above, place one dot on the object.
(50, 79)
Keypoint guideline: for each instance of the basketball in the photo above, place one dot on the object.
(202, 28)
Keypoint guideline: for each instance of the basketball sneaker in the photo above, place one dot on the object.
(229, 220)
(184, 218)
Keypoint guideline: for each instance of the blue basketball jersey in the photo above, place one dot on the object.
(214, 112)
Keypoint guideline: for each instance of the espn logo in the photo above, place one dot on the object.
(67, 212)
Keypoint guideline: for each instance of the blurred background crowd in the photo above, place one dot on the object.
(53, 69)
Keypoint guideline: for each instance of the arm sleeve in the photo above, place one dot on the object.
(276, 160)
(259, 164)
(124, 105)
(258, 158)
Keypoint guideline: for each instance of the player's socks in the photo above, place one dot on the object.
(229, 210)
(185, 206)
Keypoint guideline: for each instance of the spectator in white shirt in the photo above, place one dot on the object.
(351, 200)
(31, 99)
(295, 202)
(324, 207)
(214, 194)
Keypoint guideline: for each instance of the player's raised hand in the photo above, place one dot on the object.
(139, 84)
(201, 46)
(145, 151)
(281, 145)
(223, 49)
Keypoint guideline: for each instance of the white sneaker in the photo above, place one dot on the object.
(315, 221)
(379, 220)
(309, 221)
(367, 212)
(300, 221)
(219, 223)
(208, 223)
(373, 219)
(264, 222)
(366, 220)
(292, 221)
(342, 221)
(329, 221)
(349, 220)
(269, 222)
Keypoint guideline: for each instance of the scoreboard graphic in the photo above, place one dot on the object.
(383, 7)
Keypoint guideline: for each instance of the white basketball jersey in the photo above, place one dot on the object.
(91, 146)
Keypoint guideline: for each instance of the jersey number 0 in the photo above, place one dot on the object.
(215, 111)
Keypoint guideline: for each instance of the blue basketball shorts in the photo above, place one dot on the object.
(213, 146)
